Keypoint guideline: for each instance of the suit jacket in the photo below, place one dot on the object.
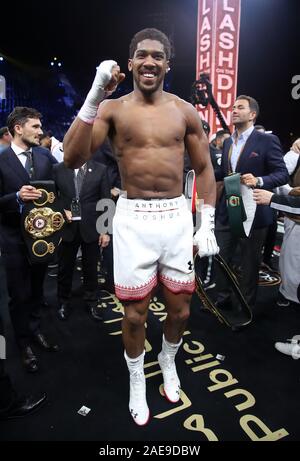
(263, 157)
(12, 177)
(286, 203)
(95, 186)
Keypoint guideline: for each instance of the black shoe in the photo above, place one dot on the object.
(23, 406)
(64, 311)
(96, 312)
(282, 301)
(29, 359)
(43, 342)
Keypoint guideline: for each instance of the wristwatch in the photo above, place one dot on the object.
(260, 182)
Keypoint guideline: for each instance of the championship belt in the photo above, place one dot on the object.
(42, 223)
(236, 313)
(240, 205)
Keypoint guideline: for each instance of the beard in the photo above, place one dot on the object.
(31, 142)
(148, 88)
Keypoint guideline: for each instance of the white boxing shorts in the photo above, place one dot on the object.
(153, 241)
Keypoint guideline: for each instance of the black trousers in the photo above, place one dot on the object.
(66, 264)
(25, 290)
(7, 392)
(108, 263)
(270, 240)
(250, 259)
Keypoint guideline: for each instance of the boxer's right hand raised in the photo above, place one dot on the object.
(107, 78)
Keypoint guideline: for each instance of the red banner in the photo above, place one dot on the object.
(217, 54)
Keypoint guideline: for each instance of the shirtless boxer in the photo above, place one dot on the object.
(152, 227)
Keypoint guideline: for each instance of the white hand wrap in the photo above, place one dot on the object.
(97, 93)
(205, 238)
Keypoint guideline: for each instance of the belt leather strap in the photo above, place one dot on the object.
(239, 314)
(235, 205)
(190, 190)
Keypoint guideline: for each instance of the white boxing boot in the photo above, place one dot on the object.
(166, 360)
(138, 406)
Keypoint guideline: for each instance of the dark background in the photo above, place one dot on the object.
(83, 33)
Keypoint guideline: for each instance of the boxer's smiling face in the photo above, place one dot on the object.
(149, 65)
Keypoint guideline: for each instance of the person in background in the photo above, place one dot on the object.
(260, 128)
(79, 192)
(258, 157)
(289, 204)
(20, 163)
(54, 145)
(5, 138)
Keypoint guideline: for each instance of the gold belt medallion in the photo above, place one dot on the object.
(43, 222)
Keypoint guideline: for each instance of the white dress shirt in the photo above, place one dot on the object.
(238, 144)
(19, 153)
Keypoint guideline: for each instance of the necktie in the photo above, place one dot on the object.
(80, 178)
(28, 163)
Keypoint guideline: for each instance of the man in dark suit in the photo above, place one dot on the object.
(259, 159)
(105, 155)
(85, 187)
(21, 162)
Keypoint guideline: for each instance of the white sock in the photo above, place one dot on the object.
(170, 349)
(135, 364)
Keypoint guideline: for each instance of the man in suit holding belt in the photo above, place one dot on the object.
(258, 157)
(20, 163)
(80, 190)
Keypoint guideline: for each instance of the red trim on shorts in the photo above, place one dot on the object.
(135, 293)
(176, 286)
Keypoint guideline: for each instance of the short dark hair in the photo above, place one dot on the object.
(46, 134)
(19, 116)
(253, 104)
(151, 34)
(3, 131)
(221, 133)
(259, 127)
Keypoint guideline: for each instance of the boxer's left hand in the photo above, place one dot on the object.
(205, 238)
